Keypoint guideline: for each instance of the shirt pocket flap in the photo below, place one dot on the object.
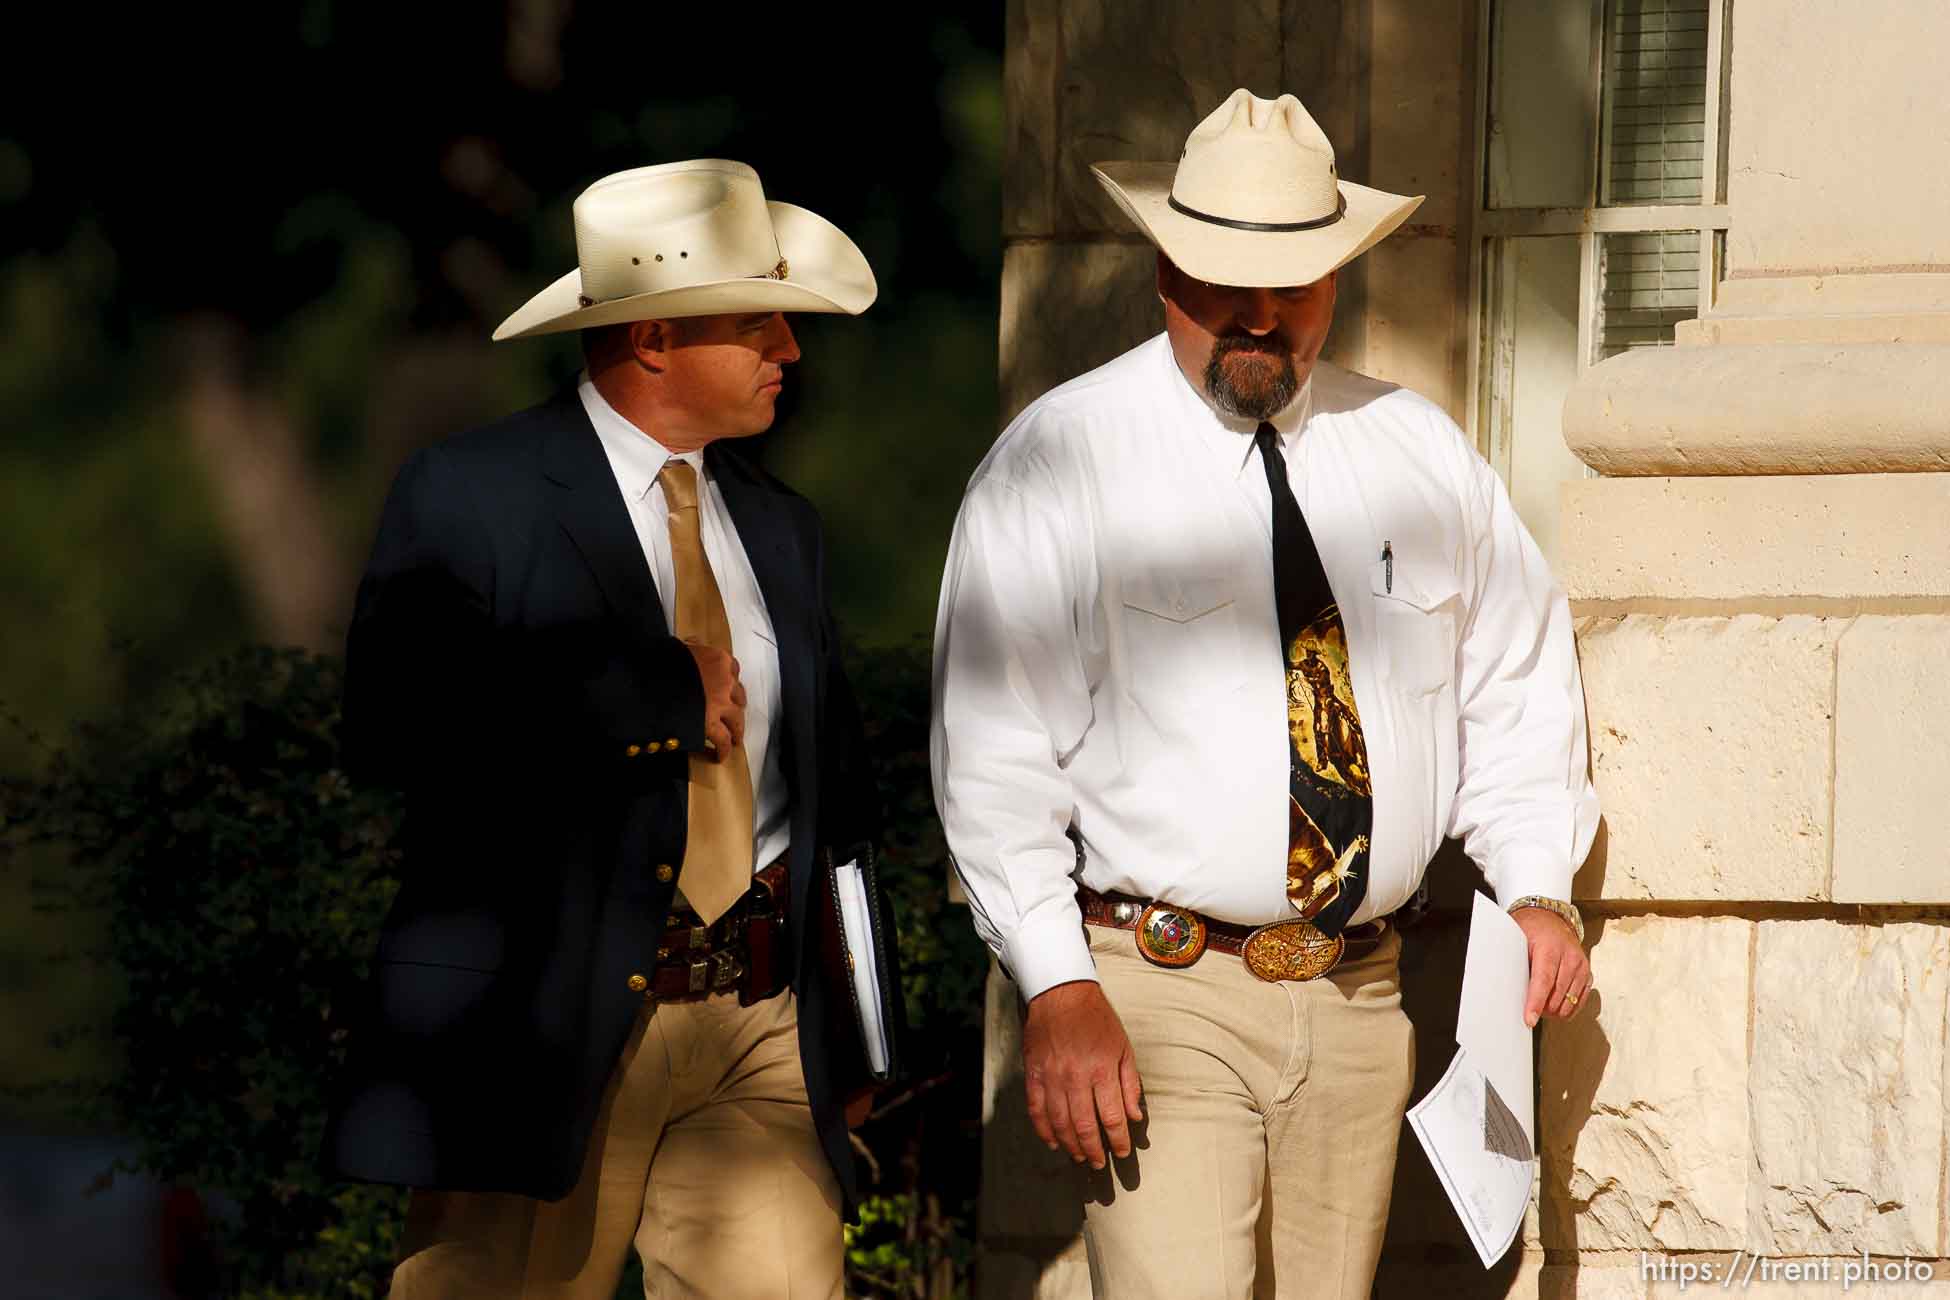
(1425, 589)
(1418, 613)
(1178, 598)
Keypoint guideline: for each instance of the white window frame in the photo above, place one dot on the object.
(1490, 358)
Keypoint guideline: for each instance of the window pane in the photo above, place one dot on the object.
(1542, 105)
(1530, 363)
(1655, 101)
(1646, 285)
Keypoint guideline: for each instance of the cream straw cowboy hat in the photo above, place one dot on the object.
(1255, 199)
(694, 239)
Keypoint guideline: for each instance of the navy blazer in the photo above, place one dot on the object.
(507, 650)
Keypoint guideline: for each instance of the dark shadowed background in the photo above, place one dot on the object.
(251, 258)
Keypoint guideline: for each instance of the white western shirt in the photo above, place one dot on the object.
(636, 459)
(1107, 659)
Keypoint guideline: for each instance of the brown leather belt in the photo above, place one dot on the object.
(739, 952)
(1177, 936)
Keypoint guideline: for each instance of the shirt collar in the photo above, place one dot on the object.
(1231, 436)
(635, 457)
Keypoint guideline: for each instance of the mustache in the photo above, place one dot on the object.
(1228, 344)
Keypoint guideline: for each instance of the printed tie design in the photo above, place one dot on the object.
(717, 867)
(1330, 808)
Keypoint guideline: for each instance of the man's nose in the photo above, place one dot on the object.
(785, 348)
(1257, 313)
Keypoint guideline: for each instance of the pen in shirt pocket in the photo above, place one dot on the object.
(1388, 567)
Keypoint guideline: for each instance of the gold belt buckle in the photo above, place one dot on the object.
(1292, 950)
(1170, 936)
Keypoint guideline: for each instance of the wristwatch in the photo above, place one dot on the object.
(1557, 905)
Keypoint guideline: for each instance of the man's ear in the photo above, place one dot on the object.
(1167, 274)
(650, 343)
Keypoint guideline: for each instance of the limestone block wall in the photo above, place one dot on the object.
(1764, 1067)
(1764, 634)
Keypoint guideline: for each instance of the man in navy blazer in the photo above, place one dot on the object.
(593, 646)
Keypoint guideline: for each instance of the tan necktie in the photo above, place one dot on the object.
(717, 866)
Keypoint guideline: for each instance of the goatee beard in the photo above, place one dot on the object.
(1261, 395)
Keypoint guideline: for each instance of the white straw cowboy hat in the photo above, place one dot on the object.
(1255, 199)
(694, 239)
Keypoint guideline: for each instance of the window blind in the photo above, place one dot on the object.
(1655, 99)
(1647, 284)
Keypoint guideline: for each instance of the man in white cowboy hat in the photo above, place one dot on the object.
(593, 646)
(1229, 640)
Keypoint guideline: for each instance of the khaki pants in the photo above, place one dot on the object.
(1272, 1111)
(704, 1155)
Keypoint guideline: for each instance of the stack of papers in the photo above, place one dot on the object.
(1478, 1124)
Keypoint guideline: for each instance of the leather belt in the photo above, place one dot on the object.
(1177, 936)
(741, 951)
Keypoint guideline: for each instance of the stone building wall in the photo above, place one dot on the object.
(1763, 591)
(1762, 587)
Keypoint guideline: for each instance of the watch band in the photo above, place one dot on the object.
(1557, 905)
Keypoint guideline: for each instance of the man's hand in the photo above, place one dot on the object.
(724, 697)
(1078, 1071)
(859, 1105)
(1560, 973)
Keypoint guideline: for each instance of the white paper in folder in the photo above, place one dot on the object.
(855, 920)
(1478, 1124)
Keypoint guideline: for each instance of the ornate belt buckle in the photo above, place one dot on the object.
(1292, 950)
(1167, 936)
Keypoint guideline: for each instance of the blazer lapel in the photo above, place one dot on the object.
(592, 512)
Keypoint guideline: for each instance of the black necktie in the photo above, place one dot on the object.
(1299, 583)
(1331, 812)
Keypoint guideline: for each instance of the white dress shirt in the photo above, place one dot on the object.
(636, 459)
(1107, 658)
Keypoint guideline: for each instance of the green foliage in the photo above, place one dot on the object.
(896, 1249)
(913, 1238)
(240, 879)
